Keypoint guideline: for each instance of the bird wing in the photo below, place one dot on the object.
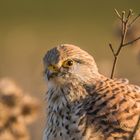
(113, 107)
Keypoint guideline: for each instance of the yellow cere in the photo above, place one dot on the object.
(53, 68)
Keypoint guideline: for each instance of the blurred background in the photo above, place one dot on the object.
(28, 28)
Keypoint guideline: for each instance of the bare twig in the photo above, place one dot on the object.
(125, 19)
(113, 52)
(117, 13)
(125, 25)
(129, 14)
(131, 42)
(134, 20)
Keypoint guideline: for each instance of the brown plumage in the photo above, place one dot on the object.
(82, 104)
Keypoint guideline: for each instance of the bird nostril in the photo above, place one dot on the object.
(53, 68)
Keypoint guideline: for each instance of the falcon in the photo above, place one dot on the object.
(82, 104)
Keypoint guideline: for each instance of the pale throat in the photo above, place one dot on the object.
(61, 95)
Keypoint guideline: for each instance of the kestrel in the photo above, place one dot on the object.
(82, 104)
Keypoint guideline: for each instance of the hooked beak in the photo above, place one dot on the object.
(51, 75)
(52, 72)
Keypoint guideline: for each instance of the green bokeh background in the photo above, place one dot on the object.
(28, 28)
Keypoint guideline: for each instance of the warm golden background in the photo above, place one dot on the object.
(28, 28)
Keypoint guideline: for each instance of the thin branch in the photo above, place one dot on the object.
(117, 13)
(123, 16)
(129, 14)
(131, 42)
(134, 20)
(113, 52)
(114, 66)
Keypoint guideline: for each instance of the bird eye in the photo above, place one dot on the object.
(67, 63)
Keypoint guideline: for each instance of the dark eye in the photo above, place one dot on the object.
(67, 63)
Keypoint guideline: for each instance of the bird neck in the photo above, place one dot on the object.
(70, 93)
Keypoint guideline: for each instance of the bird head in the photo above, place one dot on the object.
(68, 62)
